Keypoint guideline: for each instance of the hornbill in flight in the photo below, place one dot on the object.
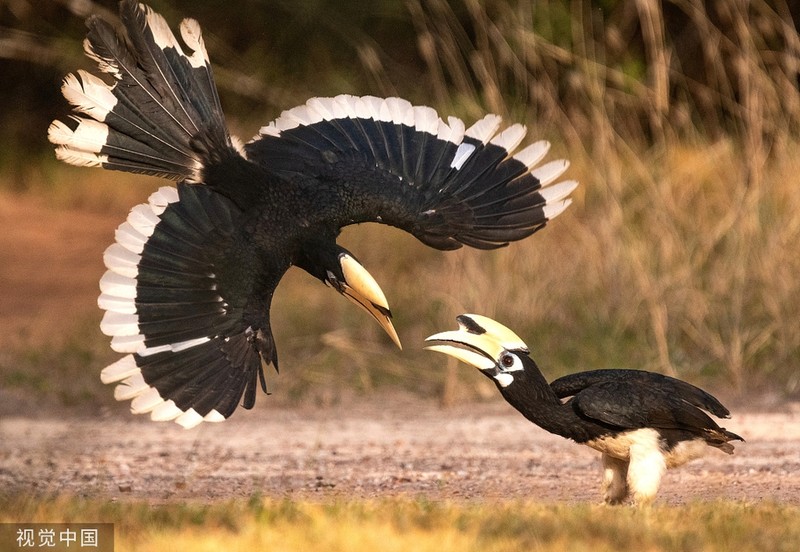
(641, 422)
(192, 273)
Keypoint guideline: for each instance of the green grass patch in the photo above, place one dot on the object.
(67, 372)
(420, 525)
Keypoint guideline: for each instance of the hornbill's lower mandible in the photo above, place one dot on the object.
(642, 422)
(192, 273)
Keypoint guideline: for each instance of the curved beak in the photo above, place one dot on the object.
(479, 341)
(361, 288)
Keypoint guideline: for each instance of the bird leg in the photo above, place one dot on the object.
(615, 479)
(647, 466)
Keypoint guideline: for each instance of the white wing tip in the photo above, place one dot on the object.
(485, 128)
(531, 154)
(556, 192)
(510, 138)
(193, 37)
(552, 210)
(165, 412)
(548, 172)
(131, 387)
(119, 323)
(80, 158)
(214, 417)
(146, 401)
(120, 370)
(189, 419)
(89, 94)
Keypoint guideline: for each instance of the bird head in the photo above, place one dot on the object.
(487, 345)
(339, 269)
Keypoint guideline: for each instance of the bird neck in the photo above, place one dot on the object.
(529, 390)
(533, 397)
(319, 256)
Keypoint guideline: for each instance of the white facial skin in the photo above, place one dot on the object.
(507, 364)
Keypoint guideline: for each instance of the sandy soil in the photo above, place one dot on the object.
(382, 447)
(410, 448)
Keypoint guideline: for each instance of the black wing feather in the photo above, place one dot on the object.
(446, 187)
(178, 314)
(629, 405)
(574, 383)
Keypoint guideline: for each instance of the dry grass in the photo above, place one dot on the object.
(418, 525)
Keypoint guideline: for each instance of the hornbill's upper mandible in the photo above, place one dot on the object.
(642, 422)
(191, 276)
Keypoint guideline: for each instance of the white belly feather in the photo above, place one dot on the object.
(648, 440)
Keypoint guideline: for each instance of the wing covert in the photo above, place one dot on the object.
(630, 405)
(571, 384)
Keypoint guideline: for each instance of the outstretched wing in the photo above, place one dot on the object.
(161, 115)
(193, 350)
(572, 384)
(390, 162)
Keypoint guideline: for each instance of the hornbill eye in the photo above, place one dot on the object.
(507, 360)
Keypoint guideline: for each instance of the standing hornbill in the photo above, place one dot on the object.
(191, 276)
(642, 423)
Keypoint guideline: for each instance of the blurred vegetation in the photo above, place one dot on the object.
(420, 525)
(680, 118)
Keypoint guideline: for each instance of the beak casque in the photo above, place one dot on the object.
(479, 341)
(361, 288)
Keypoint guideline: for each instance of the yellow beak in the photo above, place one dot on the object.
(362, 289)
(479, 341)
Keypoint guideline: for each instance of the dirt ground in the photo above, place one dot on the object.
(409, 448)
(386, 446)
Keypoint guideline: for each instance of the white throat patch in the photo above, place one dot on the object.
(504, 379)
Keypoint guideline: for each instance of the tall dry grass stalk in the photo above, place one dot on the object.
(680, 253)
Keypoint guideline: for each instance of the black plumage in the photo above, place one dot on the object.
(642, 422)
(572, 384)
(192, 273)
